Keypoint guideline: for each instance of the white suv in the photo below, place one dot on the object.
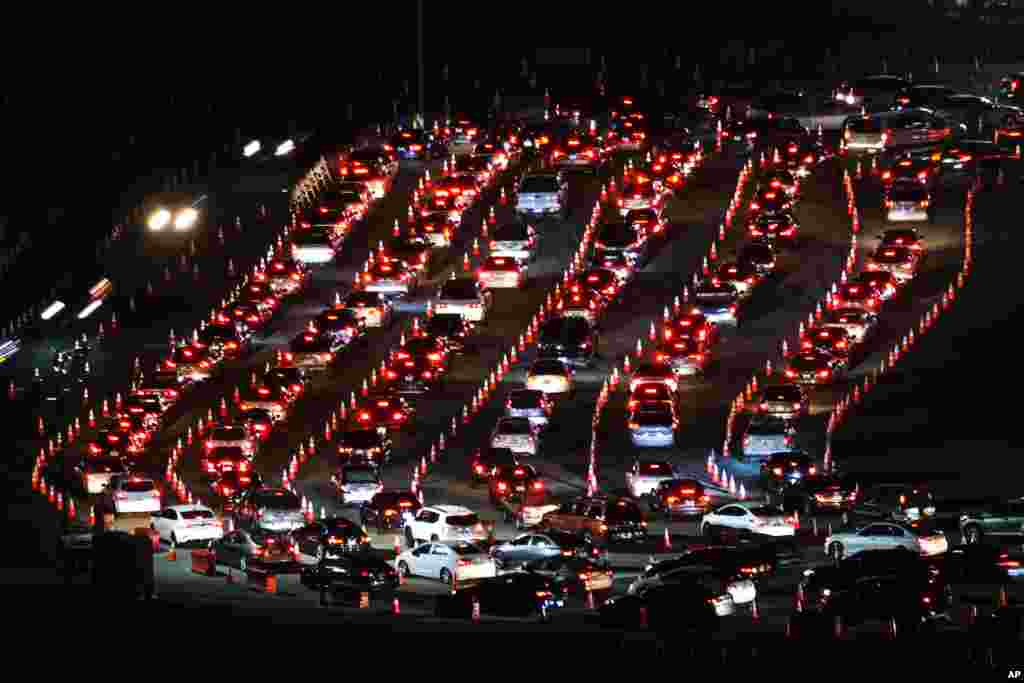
(444, 523)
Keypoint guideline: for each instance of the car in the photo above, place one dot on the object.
(252, 314)
(920, 538)
(573, 574)
(800, 154)
(96, 472)
(572, 340)
(351, 573)
(487, 459)
(856, 321)
(131, 494)
(1003, 518)
(288, 379)
(922, 95)
(646, 476)
(786, 401)
(833, 341)
(1010, 130)
(144, 411)
(230, 435)
(651, 396)
(812, 367)
(650, 222)
(747, 518)
(436, 227)
(225, 338)
(109, 443)
(616, 236)
(818, 493)
(342, 204)
(542, 545)
(582, 303)
(214, 462)
(390, 278)
(494, 150)
(451, 329)
(357, 484)
(286, 275)
(852, 295)
(186, 523)
(653, 373)
(162, 386)
(312, 351)
(425, 348)
(882, 281)
(717, 301)
(727, 570)
(542, 195)
(668, 177)
(270, 509)
(370, 307)
(533, 404)
(519, 594)
(766, 435)
(900, 502)
(516, 433)
(784, 469)
(638, 192)
(375, 165)
(598, 519)
(192, 363)
(417, 145)
(451, 562)
(680, 497)
(902, 262)
(328, 539)
(502, 272)
(983, 563)
(903, 237)
(343, 326)
(230, 485)
(617, 262)
(416, 376)
(516, 484)
(314, 246)
(272, 399)
(776, 228)
(464, 297)
(907, 202)
(516, 240)
(389, 509)
(911, 170)
(758, 257)
(549, 378)
(678, 607)
(436, 523)
(769, 201)
(361, 445)
(653, 425)
(577, 150)
(383, 410)
(686, 357)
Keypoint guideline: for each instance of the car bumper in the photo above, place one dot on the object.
(538, 210)
(906, 216)
(282, 525)
(94, 485)
(200, 534)
(138, 506)
(690, 507)
(314, 256)
(652, 440)
(356, 497)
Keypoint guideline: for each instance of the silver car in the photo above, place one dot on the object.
(533, 405)
(766, 435)
(542, 194)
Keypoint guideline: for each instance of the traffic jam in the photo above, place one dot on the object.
(390, 410)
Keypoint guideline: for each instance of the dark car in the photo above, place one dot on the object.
(520, 594)
(451, 328)
(251, 548)
(487, 459)
(329, 539)
(680, 497)
(678, 607)
(231, 485)
(574, 575)
(389, 509)
(286, 378)
(760, 256)
(599, 519)
(225, 339)
(783, 469)
(353, 573)
(342, 325)
(818, 493)
(413, 376)
(518, 483)
(357, 446)
(981, 563)
(571, 340)
(731, 562)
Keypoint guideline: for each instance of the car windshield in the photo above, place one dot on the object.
(871, 124)
(616, 234)
(228, 434)
(277, 500)
(767, 425)
(361, 439)
(539, 185)
(525, 400)
(459, 289)
(307, 238)
(566, 328)
(360, 475)
(511, 232)
(653, 418)
(547, 368)
(462, 520)
(786, 394)
(197, 514)
(227, 453)
(444, 324)
(138, 485)
(892, 255)
(519, 426)
(104, 466)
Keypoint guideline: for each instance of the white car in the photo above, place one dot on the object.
(766, 435)
(466, 298)
(96, 473)
(517, 434)
(514, 240)
(228, 436)
(651, 373)
(130, 494)
(444, 523)
(184, 523)
(856, 321)
(646, 475)
(923, 540)
(748, 516)
(460, 560)
(357, 484)
(542, 194)
(531, 404)
(314, 246)
(502, 272)
(550, 376)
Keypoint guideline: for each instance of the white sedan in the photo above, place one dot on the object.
(553, 377)
(184, 523)
(459, 559)
(750, 517)
(517, 434)
(923, 539)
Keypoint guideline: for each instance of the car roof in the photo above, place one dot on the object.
(450, 509)
(187, 507)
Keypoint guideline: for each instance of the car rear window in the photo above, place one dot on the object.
(515, 426)
(459, 289)
(277, 500)
(547, 368)
(364, 298)
(768, 426)
(538, 185)
(308, 238)
(197, 514)
(466, 548)
(112, 466)
(782, 394)
(623, 511)
(892, 255)
(138, 485)
(229, 434)
(511, 232)
(523, 400)
(871, 124)
(361, 439)
(360, 475)
(653, 418)
(462, 520)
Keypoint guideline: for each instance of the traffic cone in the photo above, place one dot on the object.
(667, 541)
(364, 600)
(172, 554)
(465, 263)
(755, 613)
(491, 218)
(1002, 600)
(799, 600)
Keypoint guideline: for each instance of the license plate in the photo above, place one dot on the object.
(410, 378)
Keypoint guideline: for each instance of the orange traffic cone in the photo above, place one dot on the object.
(172, 554)
(667, 542)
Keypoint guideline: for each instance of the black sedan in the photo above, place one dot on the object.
(389, 509)
(521, 594)
(356, 573)
(682, 606)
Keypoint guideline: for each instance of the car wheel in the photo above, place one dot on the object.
(808, 508)
(403, 569)
(174, 538)
(972, 535)
(520, 525)
(409, 539)
(319, 553)
(707, 531)
(434, 538)
(836, 552)
(446, 577)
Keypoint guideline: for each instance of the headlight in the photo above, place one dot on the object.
(186, 219)
(159, 219)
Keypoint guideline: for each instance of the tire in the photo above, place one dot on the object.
(434, 538)
(174, 536)
(519, 523)
(972, 534)
(409, 539)
(319, 553)
(707, 531)
(446, 577)
(836, 552)
(403, 569)
(808, 508)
